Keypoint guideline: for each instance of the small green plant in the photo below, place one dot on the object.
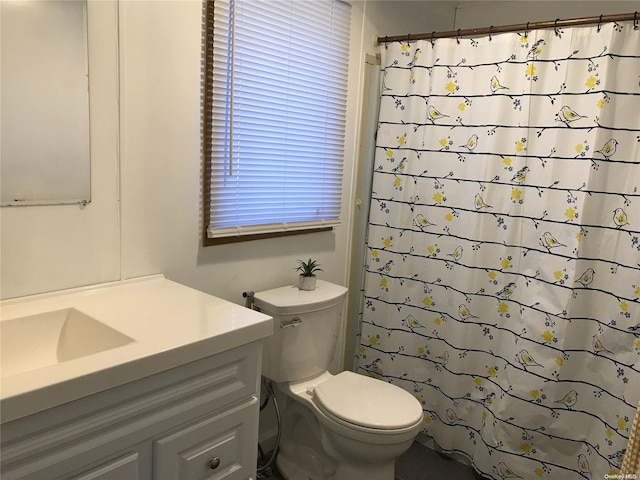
(309, 268)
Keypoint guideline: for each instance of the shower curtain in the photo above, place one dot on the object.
(502, 278)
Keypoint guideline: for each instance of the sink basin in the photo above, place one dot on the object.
(36, 341)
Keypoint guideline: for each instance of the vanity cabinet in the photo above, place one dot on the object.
(123, 468)
(196, 421)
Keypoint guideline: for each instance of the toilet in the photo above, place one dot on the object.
(335, 427)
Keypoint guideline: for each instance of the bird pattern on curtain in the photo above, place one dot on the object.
(502, 284)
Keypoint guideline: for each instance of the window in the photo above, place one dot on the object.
(274, 116)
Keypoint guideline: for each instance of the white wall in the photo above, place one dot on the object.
(400, 17)
(475, 14)
(161, 167)
(55, 247)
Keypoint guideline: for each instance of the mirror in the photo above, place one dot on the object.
(45, 156)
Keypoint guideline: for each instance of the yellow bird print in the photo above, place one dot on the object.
(569, 400)
(583, 465)
(548, 241)
(526, 360)
(421, 222)
(587, 277)
(504, 472)
(620, 218)
(452, 416)
(506, 292)
(411, 323)
(386, 267)
(384, 82)
(566, 115)
(488, 400)
(597, 345)
(535, 49)
(457, 253)
(433, 114)
(414, 60)
(634, 328)
(375, 365)
(479, 202)
(464, 313)
(608, 149)
(495, 85)
(444, 357)
(471, 143)
(401, 166)
(520, 176)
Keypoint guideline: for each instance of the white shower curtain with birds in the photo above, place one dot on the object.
(502, 279)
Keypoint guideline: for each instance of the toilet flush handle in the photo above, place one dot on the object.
(294, 322)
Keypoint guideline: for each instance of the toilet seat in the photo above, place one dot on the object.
(363, 403)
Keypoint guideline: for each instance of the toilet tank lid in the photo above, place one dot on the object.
(291, 300)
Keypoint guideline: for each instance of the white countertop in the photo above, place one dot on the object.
(170, 325)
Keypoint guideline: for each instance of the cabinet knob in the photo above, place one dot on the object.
(214, 463)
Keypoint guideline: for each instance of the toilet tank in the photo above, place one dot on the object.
(306, 326)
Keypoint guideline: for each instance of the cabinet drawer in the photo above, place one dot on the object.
(218, 447)
(119, 469)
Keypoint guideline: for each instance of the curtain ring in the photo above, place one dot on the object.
(555, 27)
(386, 41)
(635, 20)
(526, 31)
(490, 32)
(599, 23)
(432, 42)
(408, 37)
(458, 36)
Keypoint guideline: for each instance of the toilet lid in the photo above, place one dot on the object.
(368, 402)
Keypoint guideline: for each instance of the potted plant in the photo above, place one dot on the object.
(307, 278)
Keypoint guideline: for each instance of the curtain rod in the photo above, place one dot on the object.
(570, 22)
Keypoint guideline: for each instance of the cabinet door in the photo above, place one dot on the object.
(222, 446)
(122, 468)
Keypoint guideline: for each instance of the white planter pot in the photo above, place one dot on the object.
(307, 283)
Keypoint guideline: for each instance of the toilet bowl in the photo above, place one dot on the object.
(335, 427)
(360, 436)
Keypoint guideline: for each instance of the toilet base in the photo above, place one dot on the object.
(301, 454)
(362, 461)
(310, 451)
(303, 464)
(291, 471)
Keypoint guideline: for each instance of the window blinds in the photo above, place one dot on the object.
(278, 116)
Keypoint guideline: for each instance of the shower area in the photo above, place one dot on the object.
(501, 279)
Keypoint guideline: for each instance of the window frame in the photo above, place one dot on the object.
(207, 128)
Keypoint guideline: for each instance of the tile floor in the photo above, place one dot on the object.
(422, 463)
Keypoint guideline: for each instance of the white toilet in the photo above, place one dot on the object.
(342, 427)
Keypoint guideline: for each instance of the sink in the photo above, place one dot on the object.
(36, 341)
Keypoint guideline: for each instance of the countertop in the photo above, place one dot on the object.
(170, 325)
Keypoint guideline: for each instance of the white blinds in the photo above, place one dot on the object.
(279, 100)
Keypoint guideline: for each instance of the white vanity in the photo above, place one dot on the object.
(140, 379)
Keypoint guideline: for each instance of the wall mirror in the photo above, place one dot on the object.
(45, 157)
